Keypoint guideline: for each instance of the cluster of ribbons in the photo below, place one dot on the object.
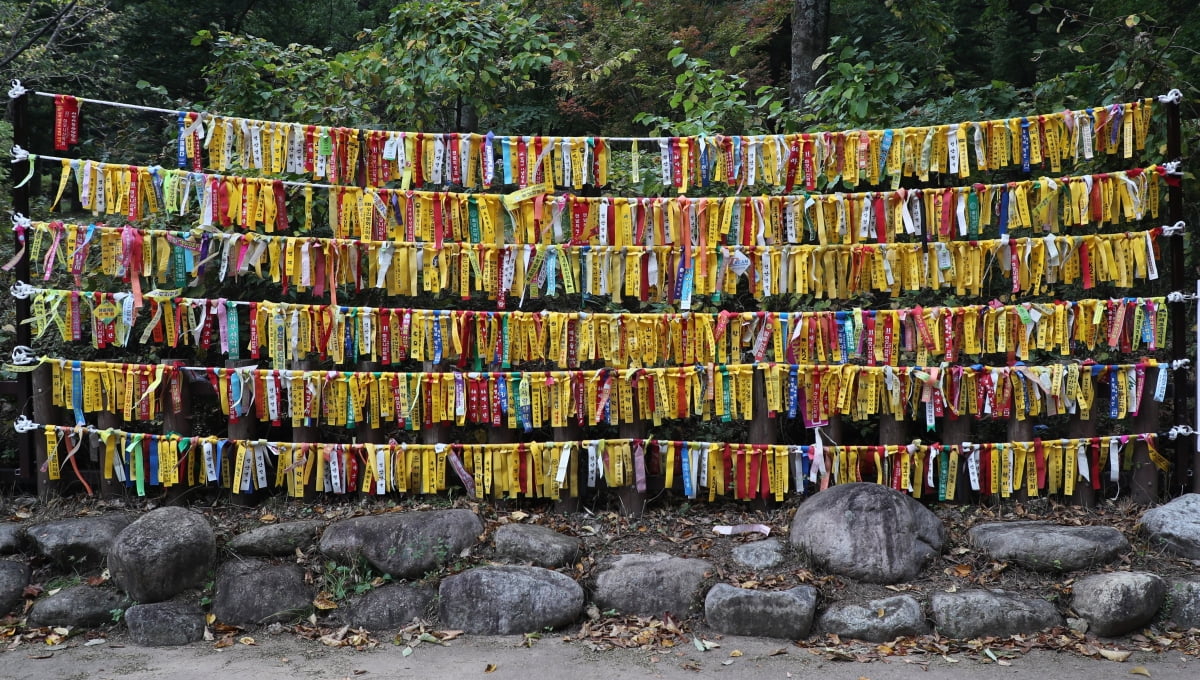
(533, 399)
(534, 216)
(285, 332)
(658, 274)
(554, 469)
(788, 161)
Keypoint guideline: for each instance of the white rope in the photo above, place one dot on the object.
(15, 89)
(21, 290)
(1180, 430)
(1177, 364)
(21, 222)
(19, 154)
(23, 355)
(1172, 168)
(1174, 96)
(1174, 229)
(23, 425)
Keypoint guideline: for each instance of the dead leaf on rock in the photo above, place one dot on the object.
(324, 600)
(490, 668)
(1139, 670)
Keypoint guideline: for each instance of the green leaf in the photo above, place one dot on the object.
(1036, 8)
(733, 51)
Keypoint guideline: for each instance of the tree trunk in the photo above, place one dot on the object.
(810, 39)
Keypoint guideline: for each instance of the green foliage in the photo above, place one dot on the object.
(713, 101)
(856, 91)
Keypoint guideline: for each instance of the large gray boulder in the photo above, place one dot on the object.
(12, 537)
(1043, 546)
(542, 546)
(79, 607)
(162, 554)
(164, 624)
(1181, 608)
(990, 613)
(505, 600)
(276, 540)
(403, 544)
(867, 532)
(14, 576)
(78, 543)
(876, 621)
(388, 607)
(650, 584)
(1175, 526)
(1118, 603)
(778, 614)
(759, 555)
(252, 592)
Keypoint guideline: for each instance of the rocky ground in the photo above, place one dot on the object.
(371, 575)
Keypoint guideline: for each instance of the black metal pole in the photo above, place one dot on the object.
(1181, 471)
(18, 110)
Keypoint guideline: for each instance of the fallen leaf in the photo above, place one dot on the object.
(40, 656)
(268, 518)
(777, 652)
(324, 601)
(1139, 670)
(97, 641)
(736, 652)
(881, 612)
(726, 662)
(247, 640)
(517, 515)
(490, 668)
(1115, 654)
(223, 643)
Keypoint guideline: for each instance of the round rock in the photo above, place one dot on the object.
(505, 600)
(78, 607)
(650, 584)
(867, 532)
(765, 554)
(542, 546)
(876, 621)
(164, 624)
(983, 613)
(276, 540)
(1118, 603)
(14, 576)
(1043, 546)
(389, 607)
(403, 544)
(163, 553)
(78, 543)
(1176, 525)
(12, 536)
(1181, 608)
(250, 592)
(764, 613)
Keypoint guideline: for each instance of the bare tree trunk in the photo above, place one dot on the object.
(810, 39)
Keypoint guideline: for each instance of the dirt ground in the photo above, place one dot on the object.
(285, 657)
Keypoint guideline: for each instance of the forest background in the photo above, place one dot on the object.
(600, 67)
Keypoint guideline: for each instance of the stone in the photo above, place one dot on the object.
(12, 537)
(161, 554)
(765, 613)
(1119, 602)
(507, 600)
(14, 576)
(164, 624)
(388, 607)
(902, 617)
(79, 543)
(1175, 526)
(650, 584)
(990, 613)
(766, 554)
(276, 540)
(1044, 546)
(867, 532)
(403, 544)
(256, 592)
(78, 607)
(542, 546)
(1181, 607)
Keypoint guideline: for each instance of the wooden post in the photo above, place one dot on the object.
(177, 418)
(44, 413)
(1187, 455)
(955, 431)
(1145, 474)
(363, 432)
(27, 448)
(1078, 428)
(437, 434)
(305, 433)
(633, 502)
(109, 486)
(244, 428)
(567, 503)
(1020, 431)
(763, 429)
